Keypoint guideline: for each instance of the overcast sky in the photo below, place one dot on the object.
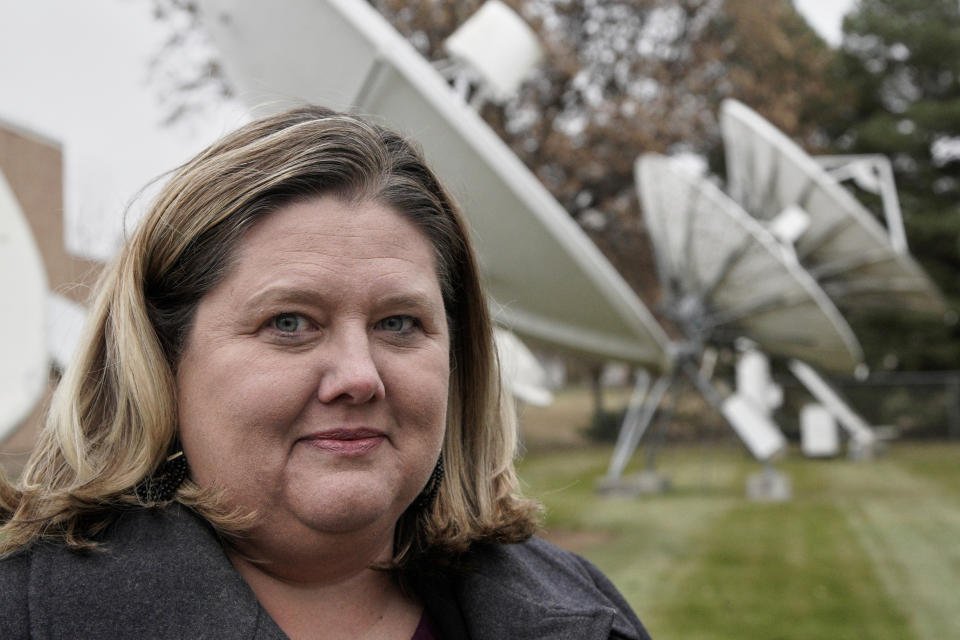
(825, 16)
(76, 72)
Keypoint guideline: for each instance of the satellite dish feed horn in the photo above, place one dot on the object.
(789, 225)
(496, 46)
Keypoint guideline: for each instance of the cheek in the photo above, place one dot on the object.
(233, 419)
(235, 385)
(420, 397)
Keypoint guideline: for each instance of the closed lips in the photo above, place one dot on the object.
(345, 434)
(350, 442)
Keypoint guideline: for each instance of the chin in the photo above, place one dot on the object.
(355, 508)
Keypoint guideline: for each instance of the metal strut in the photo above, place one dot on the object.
(643, 406)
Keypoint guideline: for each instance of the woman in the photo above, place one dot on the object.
(285, 421)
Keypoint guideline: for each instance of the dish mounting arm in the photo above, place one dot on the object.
(872, 172)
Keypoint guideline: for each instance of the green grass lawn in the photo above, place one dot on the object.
(864, 550)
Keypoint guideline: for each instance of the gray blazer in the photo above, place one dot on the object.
(163, 574)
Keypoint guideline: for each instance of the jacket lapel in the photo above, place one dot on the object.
(498, 612)
(530, 591)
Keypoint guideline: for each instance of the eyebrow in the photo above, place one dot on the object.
(409, 300)
(300, 295)
(273, 294)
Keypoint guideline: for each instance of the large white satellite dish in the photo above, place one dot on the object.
(23, 283)
(547, 279)
(725, 277)
(843, 246)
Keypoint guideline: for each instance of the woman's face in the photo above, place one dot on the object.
(313, 385)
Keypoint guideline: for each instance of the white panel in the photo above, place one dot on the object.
(538, 265)
(23, 286)
(856, 426)
(819, 436)
(759, 433)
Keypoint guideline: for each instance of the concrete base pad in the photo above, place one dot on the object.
(862, 450)
(637, 484)
(769, 485)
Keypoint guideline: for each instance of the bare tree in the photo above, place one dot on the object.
(622, 77)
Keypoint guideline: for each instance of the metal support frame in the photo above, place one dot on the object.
(874, 173)
(643, 405)
(645, 402)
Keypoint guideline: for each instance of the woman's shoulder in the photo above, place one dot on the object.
(14, 574)
(137, 541)
(539, 567)
(157, 573)
(537, 579)
(536, 554)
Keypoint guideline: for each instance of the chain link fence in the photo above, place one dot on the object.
(915, 404)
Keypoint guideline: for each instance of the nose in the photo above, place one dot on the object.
(350, 373)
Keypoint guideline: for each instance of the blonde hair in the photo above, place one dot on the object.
(113, 419)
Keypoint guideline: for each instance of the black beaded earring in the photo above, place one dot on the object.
(429, 493)
(162, 485)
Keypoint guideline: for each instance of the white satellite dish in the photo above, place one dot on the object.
(725, 277)
(728, 281)
(549, 282)
(23, 283)
(844, 247)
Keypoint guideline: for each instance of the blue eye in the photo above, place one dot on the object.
(288, 322)
(398, 324)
